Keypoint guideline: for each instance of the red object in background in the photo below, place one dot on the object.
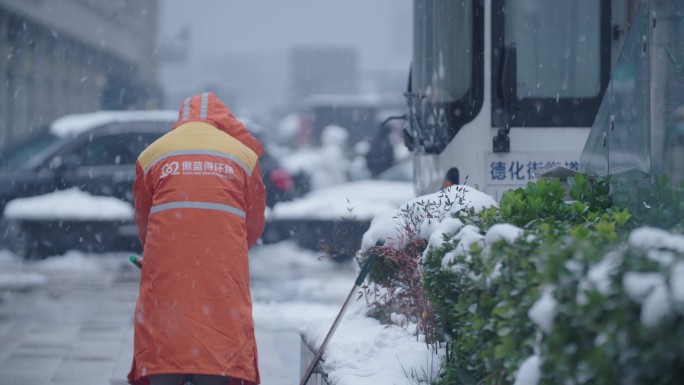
(305, 134)
(282, 179)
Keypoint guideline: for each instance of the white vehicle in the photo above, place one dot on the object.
(500, 89)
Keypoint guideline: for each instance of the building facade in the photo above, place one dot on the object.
(59, 57)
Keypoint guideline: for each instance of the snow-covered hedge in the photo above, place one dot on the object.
(538, 291)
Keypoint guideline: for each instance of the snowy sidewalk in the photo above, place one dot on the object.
(77, 327)
(74, 329)
(74, 326)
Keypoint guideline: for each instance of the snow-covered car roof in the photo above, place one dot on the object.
(71, 125)
(361, 200)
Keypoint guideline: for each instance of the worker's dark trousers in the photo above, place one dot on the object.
(197, 379)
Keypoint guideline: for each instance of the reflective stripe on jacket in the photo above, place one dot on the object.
(199, 206)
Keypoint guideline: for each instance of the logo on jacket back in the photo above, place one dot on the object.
(223, 170)
(169, 169)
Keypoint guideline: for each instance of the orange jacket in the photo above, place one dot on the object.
(199, 206)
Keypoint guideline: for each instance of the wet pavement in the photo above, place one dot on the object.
(77, 327)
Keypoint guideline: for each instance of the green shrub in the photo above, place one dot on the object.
(578, 254)
(601, 334)
(482, 298)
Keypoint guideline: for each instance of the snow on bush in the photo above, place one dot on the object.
(529, 372)
(567, 296)
(544, 310)
(537, 290)
(428, 210)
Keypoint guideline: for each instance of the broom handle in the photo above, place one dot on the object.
(359, 280)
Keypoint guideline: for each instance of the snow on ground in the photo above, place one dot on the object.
(81, 262)
(309, 297)
(292, 286)
(71, 204)
(365, 352)
(12, 276)
(293, 289)
(21, 281)
(361, 200)
(17, 274)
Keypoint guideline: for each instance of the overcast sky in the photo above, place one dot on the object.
(225, 29)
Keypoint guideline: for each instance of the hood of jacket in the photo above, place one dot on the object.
(208, 108)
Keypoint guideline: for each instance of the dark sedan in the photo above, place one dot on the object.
(95, 153)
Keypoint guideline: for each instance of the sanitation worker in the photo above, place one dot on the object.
(199, 206)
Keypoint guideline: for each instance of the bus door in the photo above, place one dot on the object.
(550, 67)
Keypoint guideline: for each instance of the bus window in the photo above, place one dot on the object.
(443, 39)
(551, 61)
(445, 88)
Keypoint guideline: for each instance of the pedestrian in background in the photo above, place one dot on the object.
(451, 178)
(199, 207)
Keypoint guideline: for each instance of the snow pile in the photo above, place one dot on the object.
(72, 204)
(13, 277)
(72, 125)
(21, 280)
(361, 200)
(292, 315)
(437, 207)
(72, 261)
(364, 352)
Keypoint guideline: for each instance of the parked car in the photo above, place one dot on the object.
(96, 153)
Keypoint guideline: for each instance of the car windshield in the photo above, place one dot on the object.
(26, 153)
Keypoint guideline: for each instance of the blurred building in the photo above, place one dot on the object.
(67, 56)
(323, 70)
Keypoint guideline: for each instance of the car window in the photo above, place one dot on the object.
(22, 153)
(114, 149)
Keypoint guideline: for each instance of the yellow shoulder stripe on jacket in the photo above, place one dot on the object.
(198, 138)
